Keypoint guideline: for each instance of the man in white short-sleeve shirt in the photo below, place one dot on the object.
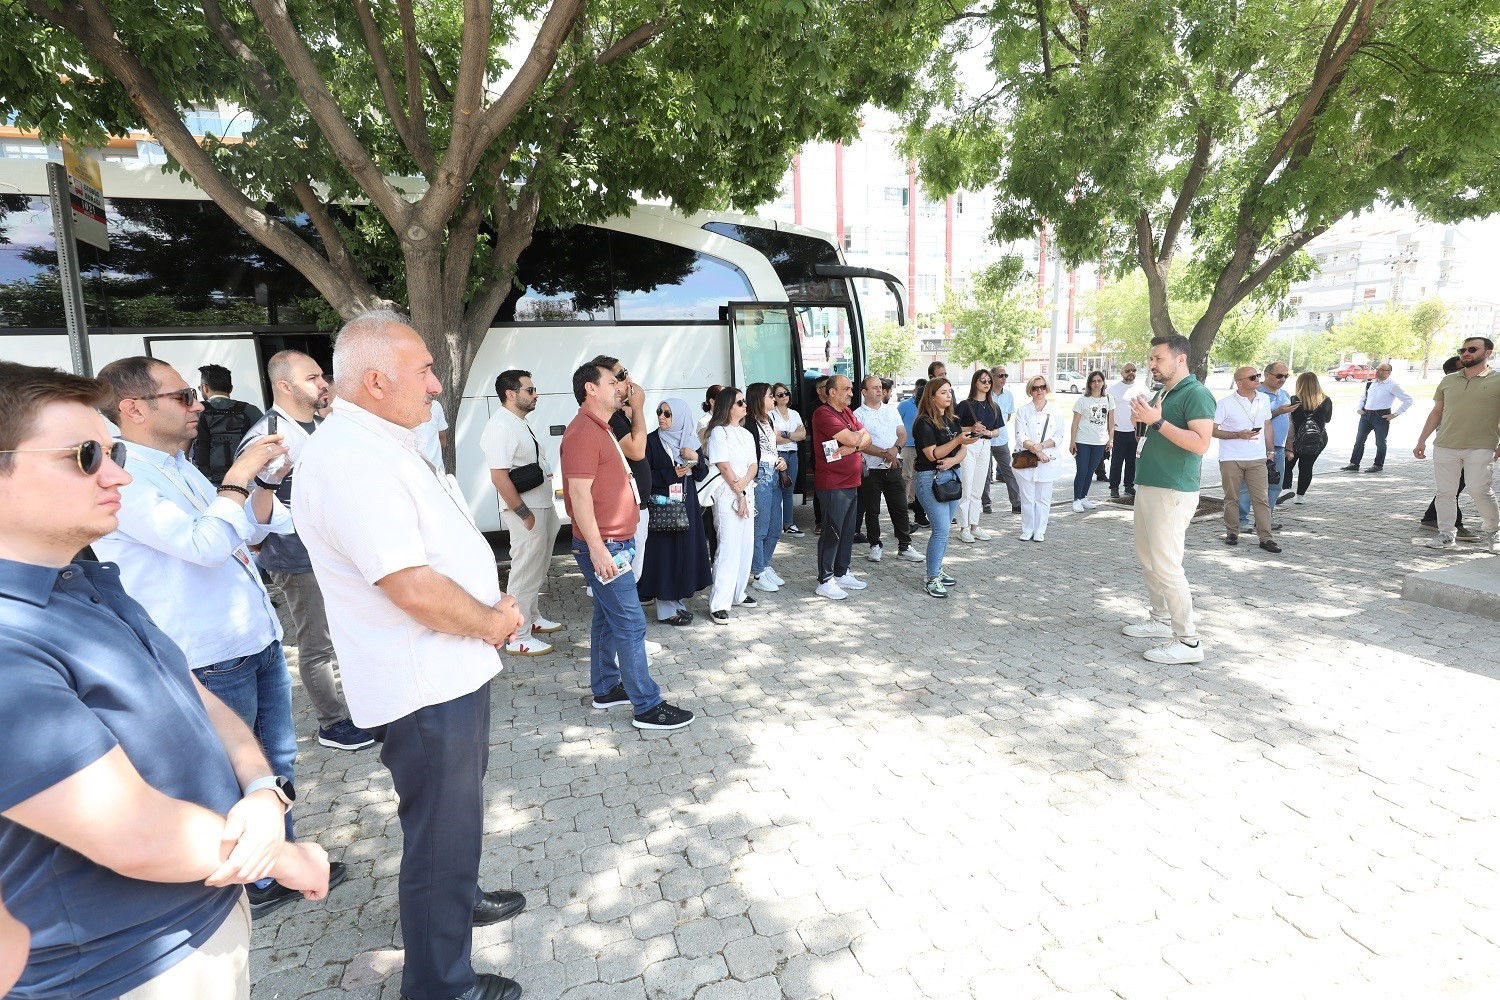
(417, 617)
(1242, 424)
(515, 459)
(883, 474)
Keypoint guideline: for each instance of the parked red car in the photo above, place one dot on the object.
(1350, 370)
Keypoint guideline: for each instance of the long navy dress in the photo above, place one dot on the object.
(676, 562)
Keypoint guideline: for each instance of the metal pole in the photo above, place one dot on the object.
(67, 269)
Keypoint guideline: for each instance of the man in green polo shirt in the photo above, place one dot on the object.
(1466, 415)
(1179, 426)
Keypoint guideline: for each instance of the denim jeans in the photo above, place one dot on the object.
(258, 689)
(787, 492)
(617, 635)
(1371, 420)
(1272, 490)
(1088, 458)
(941, 517)
(767, 518)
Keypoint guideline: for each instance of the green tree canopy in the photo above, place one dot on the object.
(1428, 319)
(1122, 315)
(425, 142)
(1244, 337)
(1231, 133)
(996, 321)
(889, 349)
(1378, 334)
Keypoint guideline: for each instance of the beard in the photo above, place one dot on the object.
(311, 400)
(1473, 361)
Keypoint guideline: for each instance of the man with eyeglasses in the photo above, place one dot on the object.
(1466, 415)
(134, 804)
(1242, 423)
(1000, 467)
(1376, 411)
(183, 547)
(1273, 387)
(1122, 452)
(515, 460)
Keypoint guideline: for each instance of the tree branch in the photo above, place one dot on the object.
(330, 119)
(513, 231)
(626, 45)
(1041, 24)
(1197, 169)
(539, 62)
(415, 111)
(435, 81)
(385, 78)
(334, 244)
(234, 44)
(1275, 259)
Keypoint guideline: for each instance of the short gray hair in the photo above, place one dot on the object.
(361, 346)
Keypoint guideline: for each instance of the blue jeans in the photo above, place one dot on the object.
(787, 491)
(258, 689)
(941, 517)
(767, 518)
(617, 636)
(1088, 459)
(1271, 491)
(1371, 420)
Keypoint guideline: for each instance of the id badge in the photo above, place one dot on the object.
(674, 492)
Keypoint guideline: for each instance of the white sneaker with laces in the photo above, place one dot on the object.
(1088, 504)
(763, 582)
(528, 647)
(1078, 506)
(850, 582)
(875, 553)
(543, 626)
(1445, 540)
(1151, 628)
(652, 648)
(1176, 652)
(1024, 536)
(981, 534)
(831, 590)
(773, 576)
(910, 554)
(966, 535)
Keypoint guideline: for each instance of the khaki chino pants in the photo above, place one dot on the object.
(1162, 517)
(531, 551)
(1251, 473)
(220, 970)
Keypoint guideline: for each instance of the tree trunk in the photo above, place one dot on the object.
(1201, 340)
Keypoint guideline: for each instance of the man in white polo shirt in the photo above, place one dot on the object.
(523, 479)
(417, 616)
(1242, 423)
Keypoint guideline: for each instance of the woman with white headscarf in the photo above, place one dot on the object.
(677, 563)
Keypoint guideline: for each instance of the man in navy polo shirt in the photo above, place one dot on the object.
(133, 803)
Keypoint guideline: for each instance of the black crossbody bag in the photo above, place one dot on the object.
(530, 476)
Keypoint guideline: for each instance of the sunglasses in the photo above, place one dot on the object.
(1002, 376)
(1276, 374)
(622, 375)
(782, 395)
(1253, 378)
(1472, 350)
(1039, 388)
(739, 402)
(187, 397)
(88, 454)
(985, 379)
(662, 411)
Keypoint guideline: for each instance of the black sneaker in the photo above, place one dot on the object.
(1015, 508)
(345, 735)
(275, 895)
(719, 617)
(986, 509)
(616, 696)
(1375, 468)
(859, 538)
(748, 602)
(1114, 494)
(1288, 495)
(664, 716)
(1350, 468)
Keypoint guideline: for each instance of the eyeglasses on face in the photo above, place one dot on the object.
(187, 397)
(739, 402)
(622, 375)
(530, 390)
(1275, 374)
(984, 379)
(782, 395)
(1253, 378)
(88, 454)
(1002, 376)
(662, 411)
(1039, 388)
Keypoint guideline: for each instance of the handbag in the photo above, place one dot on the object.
(1027, 459)
(709, 488)
(530, 476)
(947, 490)
(664, 514)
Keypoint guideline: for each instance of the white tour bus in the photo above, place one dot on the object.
(683, 302)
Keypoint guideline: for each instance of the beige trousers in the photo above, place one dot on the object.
(220, 970)
(531, 551)
(1162, 517)
(1252, 473)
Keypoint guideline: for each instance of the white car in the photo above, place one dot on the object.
(1069, 382)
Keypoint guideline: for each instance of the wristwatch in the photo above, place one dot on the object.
(283, 787)
(1157, 426)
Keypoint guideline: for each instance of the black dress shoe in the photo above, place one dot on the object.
(490, 987)
(496, 906)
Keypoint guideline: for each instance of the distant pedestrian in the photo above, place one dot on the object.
(1123, 447)
(1000, 444)
(838, 438)
(1309, 434)
(1377, 408)
(790, 432)
(979, 414)
(629, 426)
(937, 369)
(221, 425)
(1242, 423)
(734, 451)
(678, 567)
(940, 450)
(1179, 428)
(1092, 435)
(1036, 429)
(1466, 416)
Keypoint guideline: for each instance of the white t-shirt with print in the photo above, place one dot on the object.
(1094, 427)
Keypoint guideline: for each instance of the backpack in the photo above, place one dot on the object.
(219, 434)
(1311, 438)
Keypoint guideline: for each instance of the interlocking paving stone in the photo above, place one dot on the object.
(989, 796)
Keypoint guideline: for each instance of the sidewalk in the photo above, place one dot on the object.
(992, 796)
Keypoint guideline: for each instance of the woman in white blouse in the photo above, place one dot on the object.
(787, 423)
(1036, 429)
(733, 450)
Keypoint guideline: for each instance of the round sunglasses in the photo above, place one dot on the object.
(88, 454)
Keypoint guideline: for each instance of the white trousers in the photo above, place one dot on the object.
(531, 551)
(1162, 517)
(1477, 466)
(640, 544)
(1036, 501)
(736, 552)
(971, 474)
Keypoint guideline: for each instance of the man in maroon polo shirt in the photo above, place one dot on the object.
(837, 438)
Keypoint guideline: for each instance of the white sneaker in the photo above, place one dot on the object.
(966, 535)
(831, 590)
(1176, 652)
(528, 647)
(1039, 537)
(1088, 504)
(652, 648)
(543, 626)
(1445, 540)
(982, 535)
(1302, 499)
(1024, 536)
(773, 576)
(850, 582)
(1078, 506)
(1151, 628)
(875, 553)
(910, 554)
(763, 582)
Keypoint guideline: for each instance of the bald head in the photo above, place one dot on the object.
(1247, 380)
(297, 383)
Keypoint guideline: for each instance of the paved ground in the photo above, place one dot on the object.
(992, 796)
